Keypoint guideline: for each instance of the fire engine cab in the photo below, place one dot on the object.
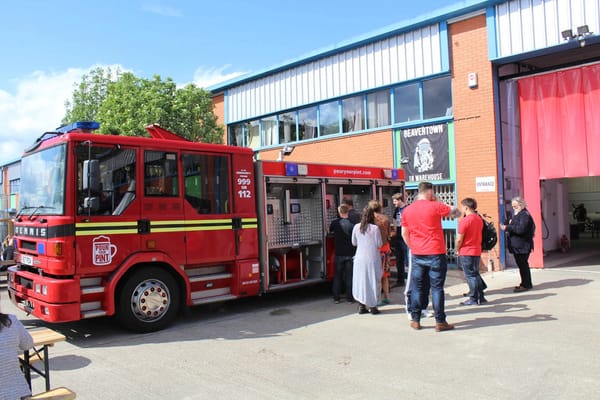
(137, 227)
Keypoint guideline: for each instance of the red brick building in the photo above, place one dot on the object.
(442, 97)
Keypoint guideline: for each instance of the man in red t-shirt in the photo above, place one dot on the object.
(468, 246)
(423, 234)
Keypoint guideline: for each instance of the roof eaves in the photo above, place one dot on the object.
(443, 14)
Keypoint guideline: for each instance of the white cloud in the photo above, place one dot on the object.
(207, 76)
(166, 11)
(36, 106)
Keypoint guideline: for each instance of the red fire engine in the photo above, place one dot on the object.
(136, 227)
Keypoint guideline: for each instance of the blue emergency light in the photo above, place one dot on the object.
(291, 169)
(79, 125)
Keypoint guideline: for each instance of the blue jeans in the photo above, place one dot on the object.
(428, 272)
(470, 266)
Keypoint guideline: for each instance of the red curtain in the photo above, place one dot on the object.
(560, 132)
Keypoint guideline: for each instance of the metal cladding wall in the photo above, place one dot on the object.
(399, 58)
(526, 25)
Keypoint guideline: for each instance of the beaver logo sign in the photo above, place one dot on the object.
(425, 149)
(103, 250)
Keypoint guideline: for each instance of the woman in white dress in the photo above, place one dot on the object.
(366, 278)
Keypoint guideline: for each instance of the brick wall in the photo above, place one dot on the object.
(219, 110)
(372, 150)
(474, 114)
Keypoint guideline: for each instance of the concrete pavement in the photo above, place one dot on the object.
(540, 344)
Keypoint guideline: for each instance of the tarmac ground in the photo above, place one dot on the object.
(540, 344)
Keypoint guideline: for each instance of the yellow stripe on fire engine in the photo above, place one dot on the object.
(105, 228)
(249, 223)
(208, 225)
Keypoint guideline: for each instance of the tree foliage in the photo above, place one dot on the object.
(125, 104)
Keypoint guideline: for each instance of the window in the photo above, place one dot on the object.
(406, 103)
(252, 132)
(437, 97)
(329, 118)
(206, 183)
(269, 131)
(236, 135)
(378, 109)
(287, 127)
(105, 179)
(160, 174)
(307, 123)
(353, 116)
(14, 185)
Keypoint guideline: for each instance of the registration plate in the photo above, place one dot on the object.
(27, 260)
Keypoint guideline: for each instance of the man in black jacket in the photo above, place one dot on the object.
(520, 230)
(341, 228)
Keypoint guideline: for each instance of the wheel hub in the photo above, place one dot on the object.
(150, 300)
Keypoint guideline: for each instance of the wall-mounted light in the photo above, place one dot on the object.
(567, 34)
(583, 30)
(286, 151)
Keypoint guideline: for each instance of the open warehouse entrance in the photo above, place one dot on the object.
(550, 137)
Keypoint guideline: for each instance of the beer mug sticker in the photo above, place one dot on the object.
(103, 251)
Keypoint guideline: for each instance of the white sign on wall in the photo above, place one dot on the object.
(485, 184)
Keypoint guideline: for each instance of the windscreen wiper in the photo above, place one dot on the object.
(35, 209)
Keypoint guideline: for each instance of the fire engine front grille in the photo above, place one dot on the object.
(27, 245)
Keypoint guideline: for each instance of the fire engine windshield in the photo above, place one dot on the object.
(42, 190)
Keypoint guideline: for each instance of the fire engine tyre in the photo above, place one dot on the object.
(149, 300)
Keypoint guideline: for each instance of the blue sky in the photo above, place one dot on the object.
(46, 45)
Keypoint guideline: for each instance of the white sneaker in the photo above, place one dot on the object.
(424, 314)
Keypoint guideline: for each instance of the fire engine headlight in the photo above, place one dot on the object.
(41, 289)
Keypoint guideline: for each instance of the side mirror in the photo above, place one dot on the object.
(91, 204)
(91, 175)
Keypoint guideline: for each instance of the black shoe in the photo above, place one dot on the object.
(362, 309)
(374, 310)
(469, 302)
(521, 289)
(482, 300)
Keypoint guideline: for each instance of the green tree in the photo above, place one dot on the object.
(129, 103)
(88, 96)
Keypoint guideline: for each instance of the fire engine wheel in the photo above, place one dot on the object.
(149, 300)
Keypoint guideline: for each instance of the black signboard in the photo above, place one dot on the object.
(426, 150)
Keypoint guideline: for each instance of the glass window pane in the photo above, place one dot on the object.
(116, 189)
(307, 123)
(329, 115)
(236, 135)
(252, 132)
(287, 127)
(353, 118)
(207, 183)
(406, 103)
(437, 97)
(160, 173)
(269, 131)
(378, 109)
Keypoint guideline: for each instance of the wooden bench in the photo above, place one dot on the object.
(60, 393)
(35, 357)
